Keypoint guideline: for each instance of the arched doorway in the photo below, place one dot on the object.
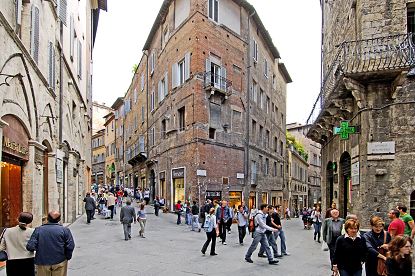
(152, 185)
(412, 204)
(344, 185)
(329, 184)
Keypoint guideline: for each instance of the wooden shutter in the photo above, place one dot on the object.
(18, 13)
(51, 64)
(72, 36)
(223, 79)
(34, 35)
(62, 8)
(142, 82)
(187, 66)
(79, 59)
(166, 83)
(174, 72)
(160, 91)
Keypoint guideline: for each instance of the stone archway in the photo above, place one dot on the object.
(344, 183)
(329, 184)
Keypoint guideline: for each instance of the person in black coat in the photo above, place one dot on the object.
(375, 240)
(399, 262)
(350, 251)
(89, 207)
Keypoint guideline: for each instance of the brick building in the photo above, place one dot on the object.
(188, 131)
(368, 85)
(98, 158)
(45, 106)
(297, 184)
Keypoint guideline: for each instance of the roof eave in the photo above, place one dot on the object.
(284, 72)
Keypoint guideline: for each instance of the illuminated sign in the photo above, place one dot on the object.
(14, 147)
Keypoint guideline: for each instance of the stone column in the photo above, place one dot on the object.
(53, 191)
(2, 125)
(33, 182)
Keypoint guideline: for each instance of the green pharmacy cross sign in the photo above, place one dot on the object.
(345, 130)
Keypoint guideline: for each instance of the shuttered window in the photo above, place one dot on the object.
(152, 62)
(34, 34)
(79, 59)
(142, 82)
(51, 63)
(181, 71)
(152, 100)
(18, 14)
(72, 36)
(62, 8)
(142, 114)
(254, 50)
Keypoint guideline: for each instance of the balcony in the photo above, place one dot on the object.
(360, 61)
(216, 83)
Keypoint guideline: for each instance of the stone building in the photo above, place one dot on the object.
(45, 106)
(364, 115)
(191, 130)
(118, 107)
(109, 148)
(98, 158)
(297, 182)
(313, 150)
(99, 113)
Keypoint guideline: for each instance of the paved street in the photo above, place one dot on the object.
(175, 250)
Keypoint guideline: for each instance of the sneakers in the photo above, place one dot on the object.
(202, 252)
(286, 254)
(273, 262)
(229, 232)
(249, 260)
(213, 254)
(261, 256)
(224, 243)
(278, 256)
(241, 244)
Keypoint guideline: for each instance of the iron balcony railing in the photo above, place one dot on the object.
(212, 80)
(389, 53)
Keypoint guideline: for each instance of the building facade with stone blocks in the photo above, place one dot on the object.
(118, 107)
(192, 130)
(109, 148)
(297, 180)
(99, 113)
(313, 150)
(45, 98)
(364, 115)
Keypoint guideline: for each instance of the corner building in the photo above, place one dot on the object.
(192, 130)
(368, 85)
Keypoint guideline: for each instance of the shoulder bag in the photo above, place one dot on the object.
(3, 253)
(381, 266)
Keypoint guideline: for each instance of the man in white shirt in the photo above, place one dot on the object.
(260, 237)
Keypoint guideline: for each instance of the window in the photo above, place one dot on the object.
(267, 105)
(275, 144)
(261, 98)
(18, 15)
(410, 17)
(214, 10)
(253, 128)
(282, 119)
(142, 114)
(281, 148)
(142, 82)
(135, 95)
(266, 139)
(72, 36)
(181, 71)
(261, 136)
(254, 91)
(266, 68)
(165, 36)
(152, 62)
(163, 88)
(79, 59)
(253, 172)
(152, 101)
(255, 50)
(34, 34)
(212, 133)
(51, 76)
(266, 168)
(274, 171)
(163, 128)
(274, 82)
(152, 136)
(181, 118)
(261, 163)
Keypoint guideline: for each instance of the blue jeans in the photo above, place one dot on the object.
(179, 218)
(195, 222)
(272, 242)
(280, 233)
(317, 228)
(346, 273)
(259, 238)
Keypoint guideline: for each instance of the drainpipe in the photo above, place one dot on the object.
(145, 52)
(248, 101)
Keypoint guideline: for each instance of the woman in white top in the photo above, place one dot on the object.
(212, 230)
(20, 261)
(142, 218)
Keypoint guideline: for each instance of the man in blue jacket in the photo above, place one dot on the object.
(223, 214)
(54, 245)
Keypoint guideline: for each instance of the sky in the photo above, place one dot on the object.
(294, 26)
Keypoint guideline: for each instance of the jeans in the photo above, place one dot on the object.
(317, 228)
(346, 273)
(127, 230)
(229, 224)
(280, 233)
(211, 236)
(331, 247)
(142, 226)
(111, 208)
(189, 218)
(156, 209)
(222, 230)
(242, 233)
(89, 215)
(272, 242)
(259, 238)
(195, 222)
(101, 207)
(179, 218)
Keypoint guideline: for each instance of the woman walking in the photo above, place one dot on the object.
(212, 230)
(20, 260)
(178, 211)
(316, 216)
(376, 241)
(142, 218)
(350, 251)
(399, 262)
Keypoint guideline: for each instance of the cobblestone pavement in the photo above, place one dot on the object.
(169, 249)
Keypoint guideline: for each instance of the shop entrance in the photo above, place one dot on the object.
(235, 199)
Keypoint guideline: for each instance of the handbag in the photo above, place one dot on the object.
(381, 265)
(3, 253)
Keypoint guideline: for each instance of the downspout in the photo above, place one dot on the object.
(145, 52)
(248, 101)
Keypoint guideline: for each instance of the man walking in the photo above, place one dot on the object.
(270, 235)
(89, 207)
(242, 219)
(280, 233)
(223, 214)
(397, 226)
(260, 237)
(332, 228)
(127, 216)
(408, 220)
(195, 216)
(54, 245)
(111, 204)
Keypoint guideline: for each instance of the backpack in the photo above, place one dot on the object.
(252, 226)
(208, 225)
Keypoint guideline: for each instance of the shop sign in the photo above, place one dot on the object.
(213, 193)
(240, 176)
(14, 147)
(355, 174)
(178, 173)
(201, 172)
(381, 147)
(59, 165)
